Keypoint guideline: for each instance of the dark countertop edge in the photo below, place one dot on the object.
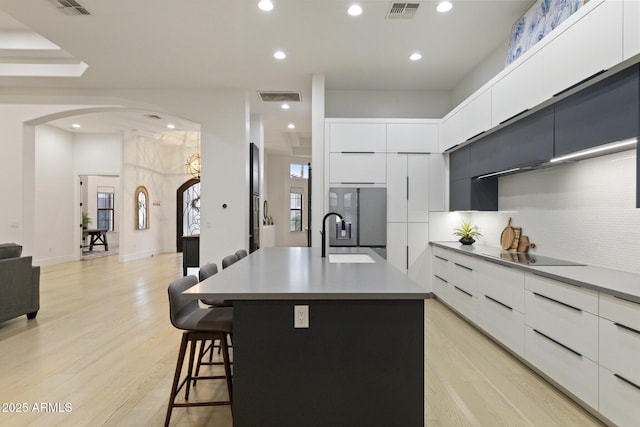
(536, 271)
(318, 296)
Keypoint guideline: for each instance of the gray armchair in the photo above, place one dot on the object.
(19, 283)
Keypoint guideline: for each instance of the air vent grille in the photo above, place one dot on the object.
(70, 7)
(272, 96)
(402, 10)
(153, 116)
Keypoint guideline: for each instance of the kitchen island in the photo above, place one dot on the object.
(359, 362)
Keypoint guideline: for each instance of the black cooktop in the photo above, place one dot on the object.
(526, 258)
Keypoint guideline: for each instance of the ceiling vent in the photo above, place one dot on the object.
(279, 96)
(70, 7)
(402, 10)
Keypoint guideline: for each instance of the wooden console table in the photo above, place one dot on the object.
(97, 238)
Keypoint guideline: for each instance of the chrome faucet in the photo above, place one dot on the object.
(323, 232)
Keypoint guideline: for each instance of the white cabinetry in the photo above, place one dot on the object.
(619, 355)
(631, 28)
(357, 137)
(407, 249)
(592, 44)
(469, 120)
(357, 168)
(517, 91)
(455, 281)
(408, 187)
(501, 304)
(412, 137)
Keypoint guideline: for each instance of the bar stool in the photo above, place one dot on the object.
(198, 324)
(241, 253)
(229, 260)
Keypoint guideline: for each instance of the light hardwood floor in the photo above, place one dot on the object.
(103, 343)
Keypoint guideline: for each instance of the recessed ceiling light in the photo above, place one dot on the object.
(415, 56)
(171, 126)
(285, 106)
(75, 126)
(444, 6)
(291, 126)
(354, 10)
(279, 54)
(265, 5)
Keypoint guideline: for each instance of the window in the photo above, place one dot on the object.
(299, 171)
(295, 210)
(142, 208)
(105, 209)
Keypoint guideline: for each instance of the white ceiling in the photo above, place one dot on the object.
(210, 44)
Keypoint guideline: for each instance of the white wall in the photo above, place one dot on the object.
(279, 184)
(583, 212)
(55, 227)
(98, 153)
(387, 103)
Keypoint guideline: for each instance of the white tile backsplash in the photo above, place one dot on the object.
(583, 211)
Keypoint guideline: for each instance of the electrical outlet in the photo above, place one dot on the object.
(300, 316)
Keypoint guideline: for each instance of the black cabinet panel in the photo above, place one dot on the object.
(459, 163)
(529, 141)
(472, 194)
(599, 114)
(487, 155)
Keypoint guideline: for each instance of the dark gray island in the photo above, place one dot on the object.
(360, 361)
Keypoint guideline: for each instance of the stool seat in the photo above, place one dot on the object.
(219, 319)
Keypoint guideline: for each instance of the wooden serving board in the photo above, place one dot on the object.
(506, 238)
(517, 231)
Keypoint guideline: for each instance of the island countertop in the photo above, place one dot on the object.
(302, 274)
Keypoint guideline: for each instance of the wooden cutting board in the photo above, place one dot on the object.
(506, 238)
(517, 231)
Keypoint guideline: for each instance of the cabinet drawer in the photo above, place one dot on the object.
(577, 374)
(464, 277)
(358, 168)
(440, 266)
(584, 299)
(503, 284)
(357, 137)
(441, 288)
(463, 302)
(504, 324)
(570, 326)
(619, 400)
(620, 349)
(619, 310)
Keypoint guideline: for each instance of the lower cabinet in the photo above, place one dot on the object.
(576, 373)
(619, 399)
(586, 341)
(407, 249)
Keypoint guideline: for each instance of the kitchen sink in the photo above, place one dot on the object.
(350, 258)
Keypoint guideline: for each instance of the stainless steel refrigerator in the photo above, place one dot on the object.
(365, 213)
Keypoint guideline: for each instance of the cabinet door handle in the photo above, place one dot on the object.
(463, 266)
(631, 383)
(357, 152)
(620, 325)
(407, 188)
(557, 302)
(558, 343)
(407, 258)
(439, 257)
(498, 302)
(463, 291)
(438, 277)
(596, 74)
(627, 300)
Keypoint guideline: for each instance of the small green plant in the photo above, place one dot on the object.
(467, 230)
(86, 220)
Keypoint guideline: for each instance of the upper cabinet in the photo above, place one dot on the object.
(473, 118)
(526, 82)
(357, 137)
(412, 138)
(631, 28)
(590, 45)
(605, 112)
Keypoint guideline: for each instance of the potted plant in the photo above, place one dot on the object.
(466, 231)
(86, 220)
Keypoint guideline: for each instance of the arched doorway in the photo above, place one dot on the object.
(187, 210)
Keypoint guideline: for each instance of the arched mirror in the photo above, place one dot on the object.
(142, 208)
